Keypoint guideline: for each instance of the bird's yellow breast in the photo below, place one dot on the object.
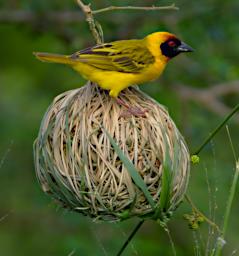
(116, 65)
(117, 81)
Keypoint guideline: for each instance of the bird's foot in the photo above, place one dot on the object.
(130, 110)
(134, 111)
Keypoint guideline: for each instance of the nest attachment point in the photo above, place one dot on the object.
(78, 166)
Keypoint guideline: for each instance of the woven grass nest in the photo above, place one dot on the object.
(96, 161)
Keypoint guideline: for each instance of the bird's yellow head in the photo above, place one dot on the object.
(166, 45)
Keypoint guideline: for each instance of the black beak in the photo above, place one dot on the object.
(184, 48)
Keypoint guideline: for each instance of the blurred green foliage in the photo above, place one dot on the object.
(29, 222)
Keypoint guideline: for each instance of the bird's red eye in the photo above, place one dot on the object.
(171, 43)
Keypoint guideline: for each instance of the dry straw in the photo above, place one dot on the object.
(95, 160)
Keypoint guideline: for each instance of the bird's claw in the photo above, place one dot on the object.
(134, 111)
(130, 110)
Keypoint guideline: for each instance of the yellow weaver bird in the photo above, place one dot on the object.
(117, 65)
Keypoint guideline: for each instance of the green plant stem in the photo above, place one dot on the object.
(230, 198)
(217, 129)
(228, 209)
(130, 237)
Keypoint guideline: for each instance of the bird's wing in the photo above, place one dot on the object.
(129, 56)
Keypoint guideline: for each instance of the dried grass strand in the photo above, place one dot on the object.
(78, 166)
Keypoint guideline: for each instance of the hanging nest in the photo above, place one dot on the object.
(95, 160)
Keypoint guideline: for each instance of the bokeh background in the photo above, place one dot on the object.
(199, 89)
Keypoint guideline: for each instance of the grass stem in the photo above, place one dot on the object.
(130, 237)
(217, 129)
(228, 210)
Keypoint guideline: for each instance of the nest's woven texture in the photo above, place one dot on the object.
(76, 163)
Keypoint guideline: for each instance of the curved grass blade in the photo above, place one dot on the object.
(167, 177)
(132, 170)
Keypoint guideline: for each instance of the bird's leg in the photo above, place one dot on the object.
(135, 111)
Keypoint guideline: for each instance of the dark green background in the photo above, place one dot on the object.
(30, 223)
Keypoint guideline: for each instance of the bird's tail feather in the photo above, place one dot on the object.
(56, 58)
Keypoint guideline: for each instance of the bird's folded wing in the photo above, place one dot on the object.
(121, 56)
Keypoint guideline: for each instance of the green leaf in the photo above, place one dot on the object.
(132, 170)
(166, 179)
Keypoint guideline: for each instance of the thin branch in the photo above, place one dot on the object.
(225, 88)
(72, 253)
(2, 160)
(138, 8)
(4, 217)
(90, 19)
(210, 98)
(30, 17)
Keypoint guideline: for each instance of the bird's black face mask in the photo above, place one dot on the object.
(173, 46)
